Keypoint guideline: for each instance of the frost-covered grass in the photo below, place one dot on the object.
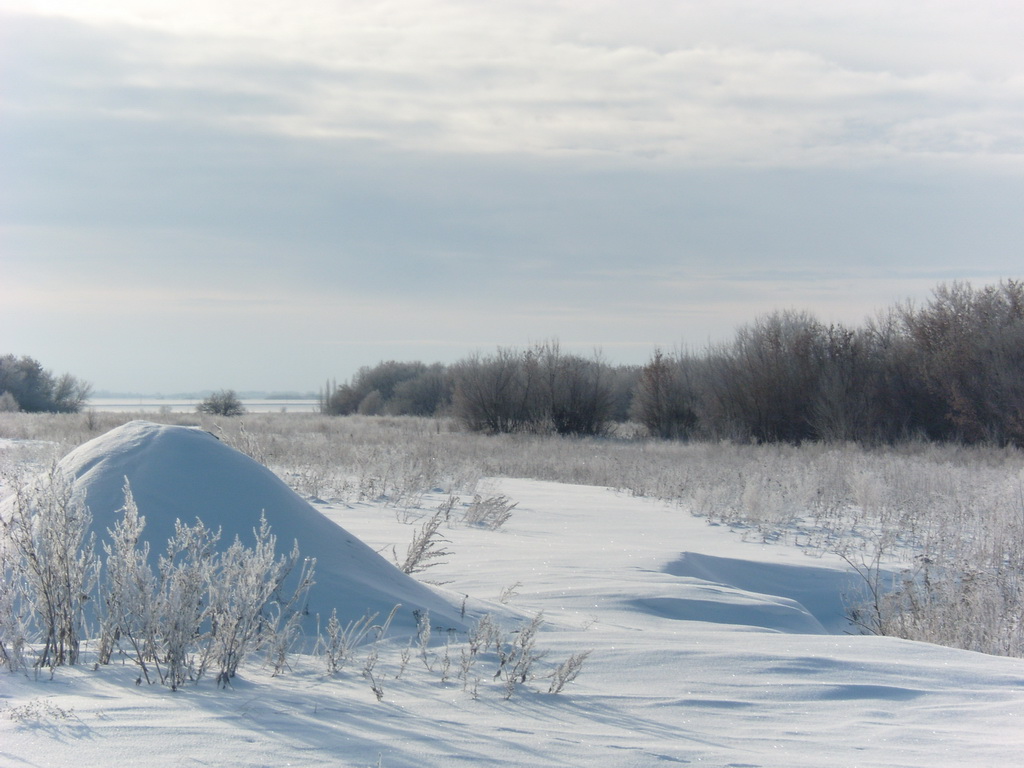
(937, 530)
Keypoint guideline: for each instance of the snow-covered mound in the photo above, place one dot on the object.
(187, 473)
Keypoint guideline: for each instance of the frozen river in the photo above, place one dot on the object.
(188, 405)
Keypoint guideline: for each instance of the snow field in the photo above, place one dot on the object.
(706, 649)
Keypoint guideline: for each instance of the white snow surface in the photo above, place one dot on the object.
(706, 650)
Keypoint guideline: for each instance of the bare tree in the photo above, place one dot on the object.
(224, 402)
(665, 398)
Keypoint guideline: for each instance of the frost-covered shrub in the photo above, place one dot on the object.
(127, 590)
(491, 512)
(337, 642)
(245, 603)
(200, 609)
(14, 630)
(517, 653)
(567, 671)
(204, 609)
(427, 547)
(51, 563)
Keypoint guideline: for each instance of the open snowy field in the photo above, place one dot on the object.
(707, 647)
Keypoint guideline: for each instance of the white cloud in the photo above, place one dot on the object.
(736, 84)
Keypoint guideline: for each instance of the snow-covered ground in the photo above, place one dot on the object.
(705, 649)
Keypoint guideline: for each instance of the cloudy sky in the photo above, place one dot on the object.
(258, 194)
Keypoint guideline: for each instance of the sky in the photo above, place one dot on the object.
(260, 195)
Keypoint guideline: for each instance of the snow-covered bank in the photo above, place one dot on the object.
(706, 650)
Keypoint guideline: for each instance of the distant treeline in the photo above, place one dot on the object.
(538, 389)
(951, 370)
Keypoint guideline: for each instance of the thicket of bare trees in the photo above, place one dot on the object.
(952, 369)
(967, 347)
(665, 398)
(537, 389)
(392, 388)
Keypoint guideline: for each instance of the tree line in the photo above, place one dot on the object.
(537, 389)
(951, 369)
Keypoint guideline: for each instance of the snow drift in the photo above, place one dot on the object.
(801, 598)
(184, 473)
